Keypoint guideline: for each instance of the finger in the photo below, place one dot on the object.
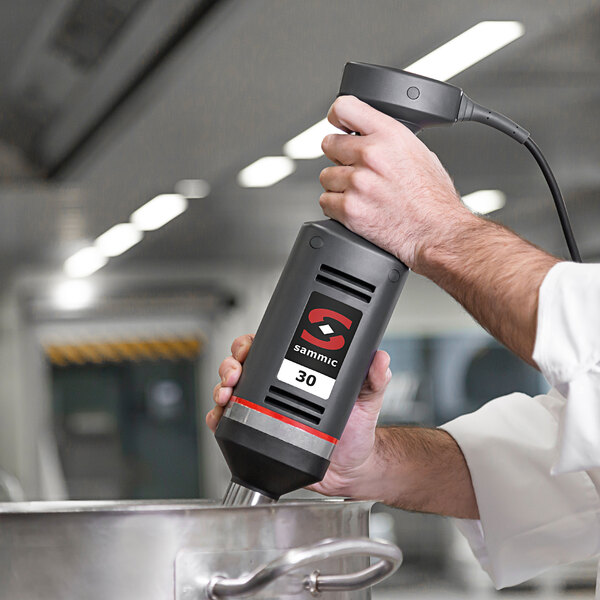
(227, 364)
(213, 417)
(351, 114)
(231, 377)
(335, 179)
(211, 421)
(224, 396)
(216, 391)
(332, 204)
(221, 395)
(241, 347)
(378, 377)
(342, 149)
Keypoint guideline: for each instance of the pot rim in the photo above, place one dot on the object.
(152, 506)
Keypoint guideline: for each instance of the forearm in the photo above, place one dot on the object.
(495, 275)
(418, 469)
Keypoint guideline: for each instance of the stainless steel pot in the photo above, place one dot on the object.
(188, 551)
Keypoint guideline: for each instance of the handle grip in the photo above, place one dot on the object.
(246, 585)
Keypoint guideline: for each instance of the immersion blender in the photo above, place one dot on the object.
(328, 314)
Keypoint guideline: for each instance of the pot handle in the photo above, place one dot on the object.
(390, 557)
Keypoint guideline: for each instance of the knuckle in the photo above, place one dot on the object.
(228, 365)
(349, 214)
(357, 179)
(237, 345)
(343, 101)
(352, 208)
(247, 342)
(324, 176)
(345, 207)
(337, 104)
(369, 155)
(326, 143)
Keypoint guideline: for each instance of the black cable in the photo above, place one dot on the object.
(559, 202)
(471, 111)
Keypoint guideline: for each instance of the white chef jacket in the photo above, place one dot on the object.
(535, 462)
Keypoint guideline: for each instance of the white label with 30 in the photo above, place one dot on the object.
(305, 379)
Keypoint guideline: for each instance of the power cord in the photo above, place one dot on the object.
(471, 111)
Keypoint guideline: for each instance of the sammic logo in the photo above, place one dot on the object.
(332, 343)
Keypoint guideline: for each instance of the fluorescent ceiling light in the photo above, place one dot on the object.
(118, 239)
(159, 211)
(266, 171)
(73, 295)
(308, 143)
(468, 48)
(484, 201)
(448, 60)
(85, 262)
(193, 188)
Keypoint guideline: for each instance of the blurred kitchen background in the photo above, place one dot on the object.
(109, 344)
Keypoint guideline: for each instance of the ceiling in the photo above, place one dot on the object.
(250, 75)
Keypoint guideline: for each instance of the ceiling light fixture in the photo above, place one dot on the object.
(444, 62)
(85, 262)
(73, 295)
(118, 239)
(308, 143)
(484, 201)
(468, 48)
(159, 211)
(266, 171)
(192, 188)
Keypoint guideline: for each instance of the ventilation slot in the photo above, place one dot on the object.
(294, 405)
(343, 288)
(369, 287)
(293, 398)
(344, 282)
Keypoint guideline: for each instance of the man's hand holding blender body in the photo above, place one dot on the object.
(389, 188)
(412, 468)
(527, 468)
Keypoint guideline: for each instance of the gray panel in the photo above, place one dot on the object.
(350, 254)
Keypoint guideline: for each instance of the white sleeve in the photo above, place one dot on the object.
(567, 351)
(529, 520)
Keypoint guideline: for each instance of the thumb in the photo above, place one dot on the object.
(351, 114)
(378, 377)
